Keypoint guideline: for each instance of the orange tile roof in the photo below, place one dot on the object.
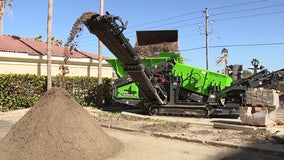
(17, 44)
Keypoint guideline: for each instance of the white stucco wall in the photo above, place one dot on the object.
(22, 63)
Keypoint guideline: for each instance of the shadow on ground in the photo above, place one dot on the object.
(122, 108)
(252, 151)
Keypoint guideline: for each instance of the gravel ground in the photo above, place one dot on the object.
(150, 145)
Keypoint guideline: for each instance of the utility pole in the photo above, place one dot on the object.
(100, 46)
(207, 38)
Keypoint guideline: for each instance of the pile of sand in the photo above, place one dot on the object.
(57, 127)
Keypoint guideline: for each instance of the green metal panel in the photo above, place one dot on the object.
(131, 90)
(194, 79)
(118, 66)
(199, 80)
(128, 91)
(171, 55)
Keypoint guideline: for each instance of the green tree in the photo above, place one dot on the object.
(246, 74)
(38, 38)
(54, 41)
(57, 42)
(223, 59)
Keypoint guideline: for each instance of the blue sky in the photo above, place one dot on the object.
(247, 28)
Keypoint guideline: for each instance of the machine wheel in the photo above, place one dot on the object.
(153, 110)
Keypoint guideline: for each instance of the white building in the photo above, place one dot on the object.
(25, 56)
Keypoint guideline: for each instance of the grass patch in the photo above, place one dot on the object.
(115, 115)
(110, 114)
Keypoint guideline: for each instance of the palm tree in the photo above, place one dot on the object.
(246, 73)
(223, 59)
(54, 41)
(57, 42)
(49, 39)
(3, 4)
(38, 38)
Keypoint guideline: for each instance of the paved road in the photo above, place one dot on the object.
(7, 119)
(144, 147)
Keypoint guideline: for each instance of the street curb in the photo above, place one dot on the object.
(212, 143)
(122, 129)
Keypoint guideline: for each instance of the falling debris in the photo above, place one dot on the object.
(72, 42)
(75, 33)
(151, 43)
(153, 50)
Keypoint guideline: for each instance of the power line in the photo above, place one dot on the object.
(248, 45)
(234, 5)
(254, 15)
(165, 19)
(195, 12)
(246, 10)
(169, 28)
(236, 45)
(191, 24)
(238, 11)
(174, 22)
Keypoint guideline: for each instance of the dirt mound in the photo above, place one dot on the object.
(57, 127)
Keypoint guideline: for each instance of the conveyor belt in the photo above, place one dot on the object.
(110, 33)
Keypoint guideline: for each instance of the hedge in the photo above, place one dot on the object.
(19, 91)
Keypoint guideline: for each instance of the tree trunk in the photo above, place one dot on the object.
(226, 68)
(100, 44)
(49, 36)
(2, 9)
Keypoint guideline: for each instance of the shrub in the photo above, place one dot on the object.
(19, 91)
